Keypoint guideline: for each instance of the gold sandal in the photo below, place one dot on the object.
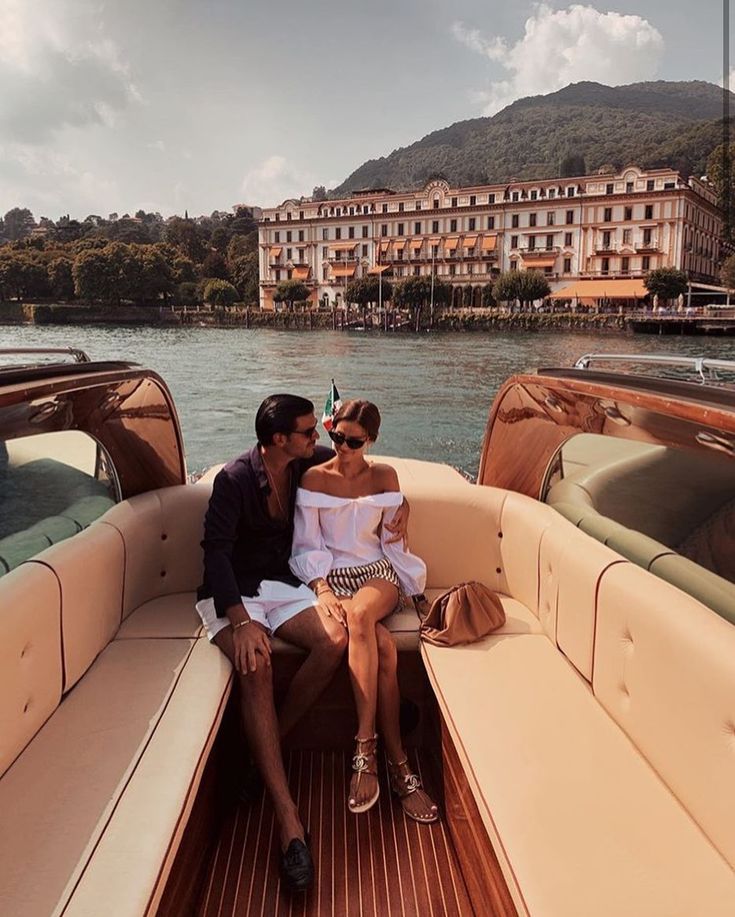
(364, 762)
(404, 784)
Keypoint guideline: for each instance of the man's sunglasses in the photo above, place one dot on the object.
(352, 442)
(308, 433)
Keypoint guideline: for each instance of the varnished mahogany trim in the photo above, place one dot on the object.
(481, 870)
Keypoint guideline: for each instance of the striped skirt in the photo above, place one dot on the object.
(346, 581)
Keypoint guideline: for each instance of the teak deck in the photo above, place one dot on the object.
(378, 863)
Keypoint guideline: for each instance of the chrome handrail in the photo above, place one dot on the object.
(698, 364)
(77, 355)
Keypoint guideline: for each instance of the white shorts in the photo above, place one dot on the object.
(274, 604)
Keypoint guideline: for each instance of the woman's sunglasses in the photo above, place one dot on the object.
(352, 442)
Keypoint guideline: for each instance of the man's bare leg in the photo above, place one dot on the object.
(325, 639)
(260, 723)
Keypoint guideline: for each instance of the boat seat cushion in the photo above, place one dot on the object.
(110, 770)
(580, 821)
(167, 616)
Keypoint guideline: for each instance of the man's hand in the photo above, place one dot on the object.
(398, 527)
(331, 606)
(250, 641)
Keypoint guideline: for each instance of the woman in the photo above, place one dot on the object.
(340, 550)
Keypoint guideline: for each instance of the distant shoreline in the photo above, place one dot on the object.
(462, 320)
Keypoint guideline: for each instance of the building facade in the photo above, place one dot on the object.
(615, 227)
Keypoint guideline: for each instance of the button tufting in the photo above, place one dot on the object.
(26, 706)
(164, 536)
(498, 570)
(163, 573)
(500, 534)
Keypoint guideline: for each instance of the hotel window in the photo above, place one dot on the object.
(434, 251)
(649, 212)
(646, 237)
(384, 229)
(532, 243)
(473, 200)
(649, 184)
(488, 268)
(300, 255)
(628, 213)
(491, 198)
(570, 217)
(570, 192)
(605, 265)
(325, 235)
(627, 236)
(400, 207)
(452, 269)
(325, 272)
(288, 236)
(289, 254)
(351, 232)
(339, 211)
(278, 276)
(452, 226)
(385, 208)
(534, 195)
(338, 255)
(514, 221)
(276, 237)
(607, 217)
(352, 211)
(301, 235)
(365, 230)
(435, 225)
(325, 252)
(567, 265)
(436, 203)
(550, 241)
(454, 202)
(567, 238)
(514, 196)
(400, 271)
(416, 228)
(469, 269)
(364, 208)
(400, 228)
(514, 241)
(301, 214)
(338, 233)
(288, 215)
(551, 192)
(669, 186)
(531, 219)
(364, 251)
(625, 265)
(629, 187)
(609, 188)
(472, 223)
(646, 262)
(606, 240)
(514, 265)
(399, 254)
(417, 271)
(491, 222)
(550, 217)
(418, 205)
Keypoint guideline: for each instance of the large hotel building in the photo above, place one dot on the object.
(595, 237)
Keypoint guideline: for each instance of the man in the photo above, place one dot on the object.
(249, 593)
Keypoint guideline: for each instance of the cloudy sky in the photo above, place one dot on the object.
(114, 105)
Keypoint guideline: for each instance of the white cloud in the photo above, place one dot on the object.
(565, 46)
(274, 180)
(58, 69)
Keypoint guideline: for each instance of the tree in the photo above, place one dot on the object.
(185, 235)
(721, 172)
(186, 294)
(220, 293)
(366, 291)
(214, 265)
(319, 193)
(666, 283)
(220, 239)
(727, 272)
(156, 276)
(571, 165)
(488, 300)
(468, 294)
(18, 223)
(183, 270)
(521, 286)
(245, 276)
(91, 273)
(416, 292)
(291, 291)
(60, 278)
(239, 246)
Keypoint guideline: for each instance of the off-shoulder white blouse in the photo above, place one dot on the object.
(334, 532)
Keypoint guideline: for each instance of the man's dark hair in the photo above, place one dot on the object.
(277, 414)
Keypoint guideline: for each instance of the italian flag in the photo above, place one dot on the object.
(331, 406)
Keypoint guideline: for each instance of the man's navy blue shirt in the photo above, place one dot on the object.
(243, 545)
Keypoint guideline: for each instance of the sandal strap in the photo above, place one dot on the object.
(404, 784)
(365, 761)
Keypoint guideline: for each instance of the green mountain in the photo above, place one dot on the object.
(651, 124)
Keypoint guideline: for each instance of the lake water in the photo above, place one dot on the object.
(434, 390)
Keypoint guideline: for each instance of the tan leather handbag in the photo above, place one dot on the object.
(465, 613)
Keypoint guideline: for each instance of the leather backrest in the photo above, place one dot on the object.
(665, 671)
(30, 656)
(89, 568)
(162, 531)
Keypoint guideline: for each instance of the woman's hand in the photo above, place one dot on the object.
(331, 606)
(250, 641)
(398, 526)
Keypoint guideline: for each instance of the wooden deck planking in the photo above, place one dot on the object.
(379, 864)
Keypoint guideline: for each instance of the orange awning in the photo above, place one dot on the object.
(435, 241)
(342, 246)
(379, 268)
(416, 244)
(347, 270)
(602, 289)
(450, 243)
(539, 262)
(276, 251)
(399, 245)
(489, 243)
(384, 246)
(469, 242)
(301, 273)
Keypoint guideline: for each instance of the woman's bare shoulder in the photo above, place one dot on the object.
(385, 476)
(315, 478)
